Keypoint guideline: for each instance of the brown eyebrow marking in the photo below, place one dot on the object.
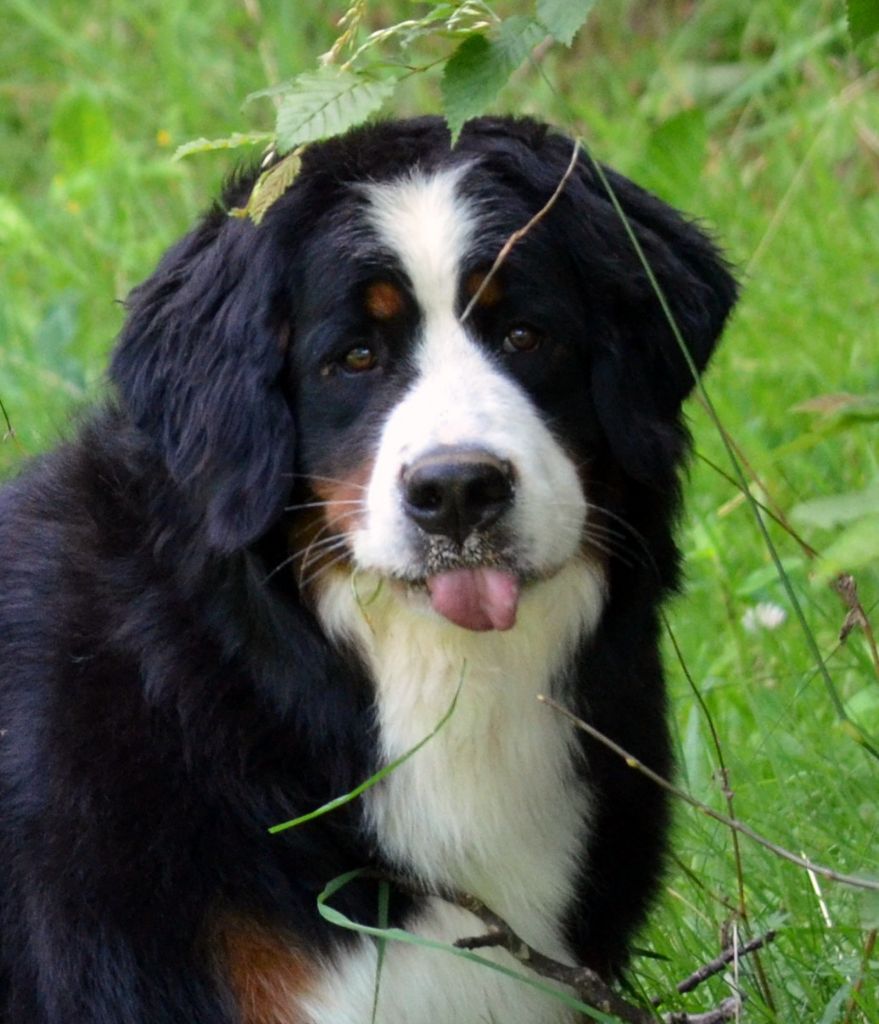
(384, 300)
(490, 295)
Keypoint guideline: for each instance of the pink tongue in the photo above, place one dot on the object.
(477, 599)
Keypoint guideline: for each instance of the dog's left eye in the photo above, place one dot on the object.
(522, 338)
(360, 359)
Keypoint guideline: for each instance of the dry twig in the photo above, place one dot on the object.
(520, 233)
(856, 881)
(586, 984)
(716, 965)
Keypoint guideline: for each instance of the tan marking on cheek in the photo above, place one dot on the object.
(315, 539)
(384, 300)
(490, 296)
(266, 973)
(345, 499)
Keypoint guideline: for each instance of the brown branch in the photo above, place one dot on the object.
(716, 965)
(728, 1010)
(856, 881)
(520, 233)
(588, 986)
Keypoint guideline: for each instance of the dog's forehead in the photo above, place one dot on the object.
(429, 226)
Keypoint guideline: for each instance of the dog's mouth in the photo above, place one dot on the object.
(479, 599)
(475, 585)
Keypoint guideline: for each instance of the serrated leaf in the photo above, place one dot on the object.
(327, 102)
(863, 19)
(479, 68)
(516, 38)
(233, 141)
(471, 80)
(564, 18)
(270, 186)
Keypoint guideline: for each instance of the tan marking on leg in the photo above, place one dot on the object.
(266, 973)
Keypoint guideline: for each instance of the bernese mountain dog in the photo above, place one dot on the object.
(317, 504)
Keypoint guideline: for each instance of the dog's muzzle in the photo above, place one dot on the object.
(454, 493)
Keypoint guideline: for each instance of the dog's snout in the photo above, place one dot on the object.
(454, 491)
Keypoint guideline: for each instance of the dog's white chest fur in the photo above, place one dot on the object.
(491, 805)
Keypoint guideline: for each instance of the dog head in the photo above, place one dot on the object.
(323, 358)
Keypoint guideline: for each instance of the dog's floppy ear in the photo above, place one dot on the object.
(640, 375)
(198, 369)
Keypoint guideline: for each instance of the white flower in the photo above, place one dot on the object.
(764, 615)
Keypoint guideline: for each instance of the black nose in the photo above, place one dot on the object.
(454, 491)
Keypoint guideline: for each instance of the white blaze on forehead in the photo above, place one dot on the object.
(460, 394)
(429, 225)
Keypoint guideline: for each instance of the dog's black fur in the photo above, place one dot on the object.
(162, 705)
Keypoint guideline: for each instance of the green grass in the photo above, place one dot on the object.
(756, 117)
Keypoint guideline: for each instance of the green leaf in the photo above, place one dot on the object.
(55, 336)
(384, 902)
(869, 910)
(836, 509)
(764, 578)
(515, 40)
(233, 141)
(564, 18)
(59, 326)
(479, 68)
(327, 102)
(856, 546)
(676, 153)
(472, 78)
(863, 19)
(863, 708)
(270, 186)
(82, 132)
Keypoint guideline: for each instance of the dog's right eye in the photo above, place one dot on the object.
(360, 359)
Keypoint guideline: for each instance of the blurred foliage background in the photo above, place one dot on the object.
(757, 117)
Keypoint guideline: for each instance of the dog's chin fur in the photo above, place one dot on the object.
(226, 603)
